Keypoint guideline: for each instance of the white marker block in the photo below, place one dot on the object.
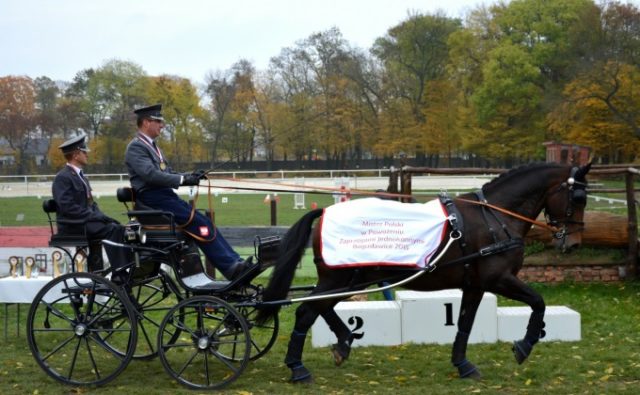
(375, 323)
(432, 317)
(562, 323)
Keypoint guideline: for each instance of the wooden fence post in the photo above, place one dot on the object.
(632, 253)
(274, 212)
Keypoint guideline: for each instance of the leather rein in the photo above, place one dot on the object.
(552, 228)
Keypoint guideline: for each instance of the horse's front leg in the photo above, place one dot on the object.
(471, 299)
(514, 288)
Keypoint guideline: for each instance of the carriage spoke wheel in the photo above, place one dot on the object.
(152, 301)
(67, 325)
(263, 336)
(213, 346)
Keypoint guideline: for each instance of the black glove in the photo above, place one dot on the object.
(202, 174)
(190, 179)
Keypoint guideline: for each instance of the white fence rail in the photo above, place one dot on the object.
(366, 179)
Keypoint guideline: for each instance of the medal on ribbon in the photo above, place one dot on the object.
(156, 150)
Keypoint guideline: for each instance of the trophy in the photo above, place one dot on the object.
(81, 259)
(56, 258)
(41, 264)
(13, 262)
(29, 264)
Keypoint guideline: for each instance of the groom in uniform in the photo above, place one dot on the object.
(74, 200)
(153, 182)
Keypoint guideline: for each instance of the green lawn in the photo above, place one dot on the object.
(239, 209)
(606, 360)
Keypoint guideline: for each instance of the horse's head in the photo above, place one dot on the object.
(564, 208)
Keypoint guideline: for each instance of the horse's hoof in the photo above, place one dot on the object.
(305, 380)
(475, 375)
(521, 350)
(340, 353)
(467, 370)
(301, 375)
(337, 358)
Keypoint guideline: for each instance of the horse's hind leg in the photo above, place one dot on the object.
(342, 348)
(306, 315)
(471, 299)
(513, 288)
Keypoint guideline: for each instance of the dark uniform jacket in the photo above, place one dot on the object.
(74, 202)
(72, 199)
(143, 165)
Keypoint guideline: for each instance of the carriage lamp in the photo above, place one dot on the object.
(133, 232)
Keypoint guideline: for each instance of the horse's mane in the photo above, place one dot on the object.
(519, 172)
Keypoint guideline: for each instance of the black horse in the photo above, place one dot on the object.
(491, 224)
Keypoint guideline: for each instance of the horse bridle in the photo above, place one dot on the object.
(557, 226)
(577, 195)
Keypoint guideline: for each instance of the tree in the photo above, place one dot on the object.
(603, 111)
(601, 107)
(414, 54)
(18, 116)
(528, 60)
(181, 110)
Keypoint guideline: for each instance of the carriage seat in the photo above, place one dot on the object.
(78, 238)
(159, 225)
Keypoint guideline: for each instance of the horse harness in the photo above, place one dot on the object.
(457, 230)
(577, 195)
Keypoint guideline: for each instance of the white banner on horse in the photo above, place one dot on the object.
(375, 232)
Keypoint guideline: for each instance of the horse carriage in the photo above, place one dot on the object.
(83, 329)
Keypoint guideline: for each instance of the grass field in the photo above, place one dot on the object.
(606, 360)
(239, 209)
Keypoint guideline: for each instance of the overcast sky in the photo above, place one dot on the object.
(189, 38)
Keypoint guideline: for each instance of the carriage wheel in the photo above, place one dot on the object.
(67, 325)
(213, 347)
(263, 336)
(154, 299)
(151, 302)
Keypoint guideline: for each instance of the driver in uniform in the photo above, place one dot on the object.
(153, 182)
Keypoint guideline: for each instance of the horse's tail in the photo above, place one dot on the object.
(292, 248)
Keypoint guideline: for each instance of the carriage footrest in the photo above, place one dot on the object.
(202, 282)
(266, 250)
